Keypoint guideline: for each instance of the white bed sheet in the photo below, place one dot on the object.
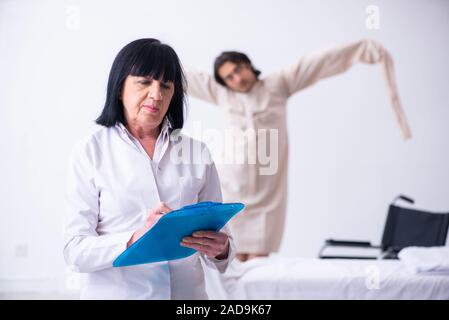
(299, 278)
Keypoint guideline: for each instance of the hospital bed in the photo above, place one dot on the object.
(277, 277)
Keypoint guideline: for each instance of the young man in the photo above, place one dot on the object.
(251, 103)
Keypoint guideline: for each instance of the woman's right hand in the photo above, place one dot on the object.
(154, 215)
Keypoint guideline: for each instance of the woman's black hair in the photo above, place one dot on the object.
(144, 57)
(234, 57)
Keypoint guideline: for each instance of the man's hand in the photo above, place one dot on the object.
(212, 244)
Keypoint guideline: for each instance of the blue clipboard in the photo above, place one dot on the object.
(162, 241)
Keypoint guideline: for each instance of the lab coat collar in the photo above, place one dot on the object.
(164, 134)
(161, 143)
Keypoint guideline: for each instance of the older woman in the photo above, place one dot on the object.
(122, 179)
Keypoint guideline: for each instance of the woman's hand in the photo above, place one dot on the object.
(212, 244)
(154, 215)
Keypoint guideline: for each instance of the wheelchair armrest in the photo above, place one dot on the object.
(349, 243)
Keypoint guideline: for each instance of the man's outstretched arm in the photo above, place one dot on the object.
(329, 62)
(202, 86)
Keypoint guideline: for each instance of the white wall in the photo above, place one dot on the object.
(347, 157)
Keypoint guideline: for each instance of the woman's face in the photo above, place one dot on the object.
(146, 100)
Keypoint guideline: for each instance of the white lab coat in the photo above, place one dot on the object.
(112, 184)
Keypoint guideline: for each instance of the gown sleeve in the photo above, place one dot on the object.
(326, 63)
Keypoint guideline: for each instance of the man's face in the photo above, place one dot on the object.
(238, 77)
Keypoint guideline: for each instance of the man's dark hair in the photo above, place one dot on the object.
(144, 57)
(234, 57)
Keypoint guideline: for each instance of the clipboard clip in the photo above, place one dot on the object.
(200, 204)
